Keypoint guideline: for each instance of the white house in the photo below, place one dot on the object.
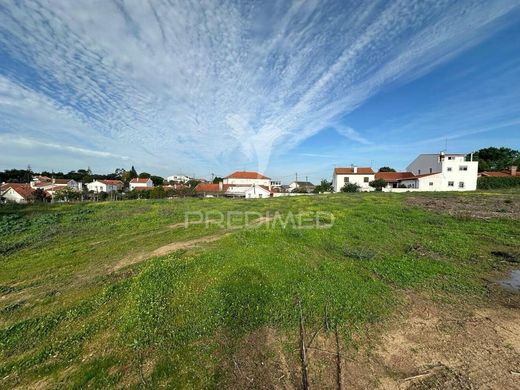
(141, 183)
(16, 192)
(354, 175)
(178, 178)
(105, 186)
(444, 172)
(233, 191)
(304, 185)
(47, 184)
(243, 178)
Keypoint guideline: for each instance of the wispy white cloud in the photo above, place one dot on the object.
(217, 82)
(8, 141)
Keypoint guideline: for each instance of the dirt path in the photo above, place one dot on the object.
(178, 245)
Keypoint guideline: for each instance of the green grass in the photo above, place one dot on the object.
(68, 319)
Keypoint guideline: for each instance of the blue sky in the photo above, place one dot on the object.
(203, 87)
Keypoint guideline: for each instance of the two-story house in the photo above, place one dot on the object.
(361, 176)
(444, 172)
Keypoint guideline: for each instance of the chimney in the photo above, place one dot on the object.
(514, 169)
(355, 169)
(220, 186)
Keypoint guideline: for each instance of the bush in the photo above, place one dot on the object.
(488, 183)
(378, 184)
(350, 187)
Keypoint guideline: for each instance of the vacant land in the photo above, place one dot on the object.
(399, 293)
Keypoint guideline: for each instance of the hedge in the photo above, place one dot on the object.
(488, 182)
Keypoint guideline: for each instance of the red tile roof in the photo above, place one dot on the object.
(210, 187)
(246, 175)
(394, 176)
(504, 173)
(139, 180)
(427, 174)
(22, 189)
(42, 184)
(350, 171)
(111, 182)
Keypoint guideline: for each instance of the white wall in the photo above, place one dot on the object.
(12, 196)
(236, 181)
(338, 181)
(149, 183)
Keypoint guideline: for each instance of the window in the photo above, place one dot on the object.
(431, 183)
(345, 179)
(431, 170)
(418, 171)
(461, 184)
(366, 179)
(449, 169)
(451, 184)
(451, 158)
(463, 168)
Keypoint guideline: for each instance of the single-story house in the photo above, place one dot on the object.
(233, 191)
(141, 183)
(17, 192)
(105, 186)
(397, 179)
(302, 185)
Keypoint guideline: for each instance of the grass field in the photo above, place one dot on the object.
(85, 302)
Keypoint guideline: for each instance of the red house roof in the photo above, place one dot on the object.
(210, 187)
(139, 180)
(350, 171)
(24, 190)
(111, 182)
(246, 175)
(394, 176)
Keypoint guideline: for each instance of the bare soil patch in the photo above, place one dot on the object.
(437, 347)
(482, 206)
(428, 346)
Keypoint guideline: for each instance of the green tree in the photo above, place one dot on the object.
(40, 195)
(157, 193)
(157, 180)
(133, 173)
(67, 194)
(324, 186)
(378, 184)
(350, 187)
(217, 180)
(144, 175)
(495, 159)
(386, 169)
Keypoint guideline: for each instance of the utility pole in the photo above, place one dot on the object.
(306, 179)
(296, 176)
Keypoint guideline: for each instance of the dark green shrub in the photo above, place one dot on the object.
(489, 183)
(350, 187)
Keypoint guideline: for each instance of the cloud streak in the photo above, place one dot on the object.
(216, 82)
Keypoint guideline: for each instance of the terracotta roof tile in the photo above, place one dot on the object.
(246, 175)
(350, 171)
(139, 180)
(394, 176)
